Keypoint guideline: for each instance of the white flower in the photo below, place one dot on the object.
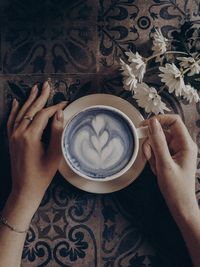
(148, 98)
(126, 69)
(190, 62)
(129, 79)
(173, 79)
(159, 44)
(130, 83)
(191, 94)
(137, 64)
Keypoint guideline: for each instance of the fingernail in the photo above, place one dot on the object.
(14, 103)
(154, 125)
(46, 84)
(59, 115)
(64, 103)
(49, 82)
(144, 122)
(34, 89)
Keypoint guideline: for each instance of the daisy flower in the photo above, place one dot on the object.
(173, 79)
(191, 63)
(159, 44)
(148, 98)
(137, 64)
(191, 95)
(129, 79)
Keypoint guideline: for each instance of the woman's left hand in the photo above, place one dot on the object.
(33, 166)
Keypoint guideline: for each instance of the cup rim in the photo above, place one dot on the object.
(134, 154)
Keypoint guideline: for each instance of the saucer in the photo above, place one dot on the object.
(102, 187)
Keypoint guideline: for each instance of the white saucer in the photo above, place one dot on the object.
(137, 167)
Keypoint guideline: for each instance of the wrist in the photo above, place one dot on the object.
(185, 211)
(19, 210)
(32, 197)
(189, 224)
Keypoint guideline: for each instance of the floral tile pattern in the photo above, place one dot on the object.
(64, 222)
(44, 37)
(78, 44)
(127, 25)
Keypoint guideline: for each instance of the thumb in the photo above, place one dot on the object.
(159, 143)
(54, 150)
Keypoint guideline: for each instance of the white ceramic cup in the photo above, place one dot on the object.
(137, 133)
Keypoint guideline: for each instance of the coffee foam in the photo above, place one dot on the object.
(98, 142)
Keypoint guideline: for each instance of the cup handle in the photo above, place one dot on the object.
(142, 132)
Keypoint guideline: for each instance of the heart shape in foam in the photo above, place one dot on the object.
(99, 141)
(103, 152)
(98, 154)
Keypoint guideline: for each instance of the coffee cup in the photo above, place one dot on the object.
(101, 143)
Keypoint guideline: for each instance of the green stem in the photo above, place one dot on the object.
(197, 56)
(149, 115)
(161, 89)
(167, 52)
(186, 70)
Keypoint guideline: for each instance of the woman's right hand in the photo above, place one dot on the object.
(172, 155)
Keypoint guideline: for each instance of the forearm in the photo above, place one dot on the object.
(18, 213)
(188, 222)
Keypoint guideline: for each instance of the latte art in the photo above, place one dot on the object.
(98, 142)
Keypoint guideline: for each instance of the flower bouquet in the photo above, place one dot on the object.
(178, 70)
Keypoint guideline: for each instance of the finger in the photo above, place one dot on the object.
(147, 149)
(159, 143)
(174, 123)
(53, 156)
(176, 126)
(27, 104)
(40, 101)
(12, 117)
(41, 119)
(167, 133)
(36, 106)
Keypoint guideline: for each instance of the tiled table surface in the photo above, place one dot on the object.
(78, 44)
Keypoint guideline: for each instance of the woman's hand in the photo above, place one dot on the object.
(172, 155)
(33, 166)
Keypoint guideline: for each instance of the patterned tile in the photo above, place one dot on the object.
(127, 25)
(116, 34)
(65, 230)
(46, 37)
(122, 243)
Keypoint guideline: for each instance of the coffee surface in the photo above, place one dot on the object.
(98, 142)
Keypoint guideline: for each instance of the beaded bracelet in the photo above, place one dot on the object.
(3, 221)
